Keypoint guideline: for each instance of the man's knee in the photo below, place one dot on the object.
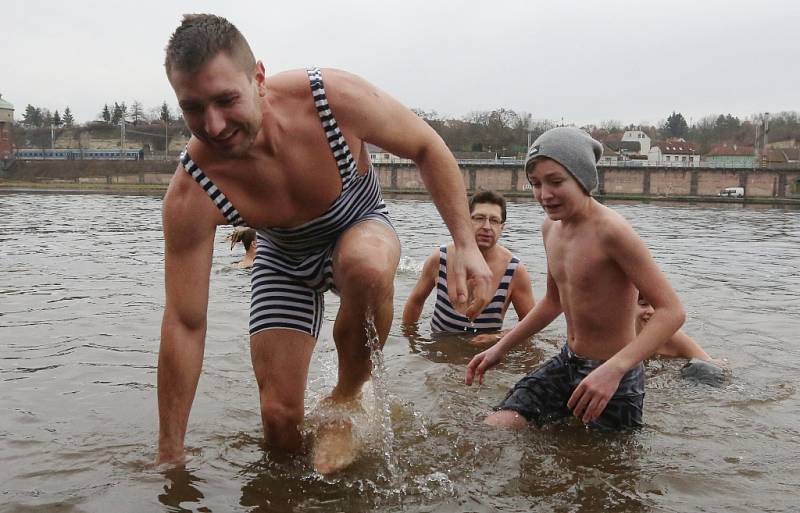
(366, 258)
(368, 276)
(281, 415)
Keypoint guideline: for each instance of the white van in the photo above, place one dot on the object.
(732, 192)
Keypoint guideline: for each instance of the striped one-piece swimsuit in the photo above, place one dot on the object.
(445, 317)
(294, 266)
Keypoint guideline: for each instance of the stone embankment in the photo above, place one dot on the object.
(624, 182)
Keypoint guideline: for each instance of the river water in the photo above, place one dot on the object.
(81, 293)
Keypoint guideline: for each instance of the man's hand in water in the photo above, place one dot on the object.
(469, 281)
(485, 339)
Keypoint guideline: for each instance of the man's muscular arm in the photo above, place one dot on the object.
(189, 225)
(376, 117)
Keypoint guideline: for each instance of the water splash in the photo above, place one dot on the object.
(410, 266)
(382, 411)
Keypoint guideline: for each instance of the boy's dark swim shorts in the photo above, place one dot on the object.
(542, 395)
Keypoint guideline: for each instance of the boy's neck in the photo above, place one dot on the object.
(584, 211)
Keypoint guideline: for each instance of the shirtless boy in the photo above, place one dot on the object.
(595, 263)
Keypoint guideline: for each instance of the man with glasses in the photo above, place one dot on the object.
(488, 214)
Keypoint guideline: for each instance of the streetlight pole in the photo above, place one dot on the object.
(121, 139)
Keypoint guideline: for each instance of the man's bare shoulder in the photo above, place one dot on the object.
(186, 207)
(350, 93)
(499, 253)
(342, 81)
(289, 82)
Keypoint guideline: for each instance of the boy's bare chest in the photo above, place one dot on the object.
(576, 263)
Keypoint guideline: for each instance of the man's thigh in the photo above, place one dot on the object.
(280, 360)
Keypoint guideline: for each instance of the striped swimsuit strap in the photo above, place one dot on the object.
(502, 287)
(446, 318)
(222, 202)
(339, 147)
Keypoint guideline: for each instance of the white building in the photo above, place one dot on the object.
(636, 136)
(674, 152)
(380, 156)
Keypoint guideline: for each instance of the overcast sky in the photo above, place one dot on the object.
(584, 61)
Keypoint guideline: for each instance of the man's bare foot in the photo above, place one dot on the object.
(336, 444)
(335, 448)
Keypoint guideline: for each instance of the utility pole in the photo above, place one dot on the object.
(121, 139)
(52, 137)
(166, 138)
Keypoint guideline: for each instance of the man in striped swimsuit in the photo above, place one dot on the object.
(269, 153)
(488, 214)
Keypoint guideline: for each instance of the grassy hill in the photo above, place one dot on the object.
(149, 137)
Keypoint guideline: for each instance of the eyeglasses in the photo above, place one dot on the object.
(480, 219)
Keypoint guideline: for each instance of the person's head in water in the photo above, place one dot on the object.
(488, 212)
(217, 81)
(644, 311)
(247, 236)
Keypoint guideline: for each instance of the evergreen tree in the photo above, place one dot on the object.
(106, 114)
(166, 115)
(69, 120)
(116, 116)
(676, 125)
(57, 121)
(31, 116)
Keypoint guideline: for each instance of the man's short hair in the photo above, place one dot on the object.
(201, 37)
(488, 197)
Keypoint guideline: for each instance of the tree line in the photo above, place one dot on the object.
(42, 117)
(500, 132)
(507, 133)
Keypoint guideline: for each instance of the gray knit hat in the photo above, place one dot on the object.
(572, 148)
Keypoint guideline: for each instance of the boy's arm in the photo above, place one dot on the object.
(421, 291)
(629, 252)
(537, 319)
(521, 292)
(681, 345)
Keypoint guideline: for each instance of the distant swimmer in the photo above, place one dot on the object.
(595, 264)
(510, 279)
(286, 155)
(247, 236)
(701, 367)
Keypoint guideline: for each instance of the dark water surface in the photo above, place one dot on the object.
(81, 293)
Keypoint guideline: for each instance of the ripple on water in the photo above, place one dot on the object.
(80, 340)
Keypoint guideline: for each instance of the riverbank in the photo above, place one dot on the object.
(160, 188)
